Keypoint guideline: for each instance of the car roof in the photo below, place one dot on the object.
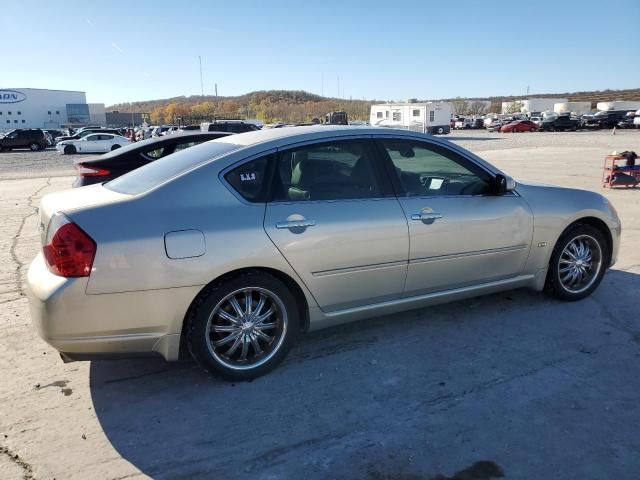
(288, 135)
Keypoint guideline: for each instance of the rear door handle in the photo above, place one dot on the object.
(426, 216)
(296, 224)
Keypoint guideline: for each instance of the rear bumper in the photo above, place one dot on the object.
(85, 326)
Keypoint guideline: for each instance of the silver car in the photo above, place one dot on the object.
(227, 251)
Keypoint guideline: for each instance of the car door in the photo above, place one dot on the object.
(88, 143)
(334, 217)
(460, 233)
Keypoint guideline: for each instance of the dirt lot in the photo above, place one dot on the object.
(535, 388)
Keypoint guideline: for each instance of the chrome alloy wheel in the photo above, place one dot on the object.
(580, 264)
(246, 328)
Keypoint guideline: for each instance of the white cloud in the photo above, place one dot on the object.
(117, 47)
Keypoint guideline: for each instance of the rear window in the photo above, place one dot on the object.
(156, 173)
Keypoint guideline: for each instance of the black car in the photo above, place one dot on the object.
(87, 131)
(118, 162)
(608, 119)
(627, 122)
(31, 138)
(558, 124)
(231, 126)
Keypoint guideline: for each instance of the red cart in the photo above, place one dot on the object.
(616, 174)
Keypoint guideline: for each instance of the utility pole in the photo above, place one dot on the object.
(216, 87)
(201, 84)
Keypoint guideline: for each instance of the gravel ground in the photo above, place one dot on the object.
(514, 383)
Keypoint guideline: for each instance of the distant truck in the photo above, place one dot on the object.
(336, 118)
(558, 124)
(608, 119)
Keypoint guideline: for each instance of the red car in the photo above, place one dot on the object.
(519, 126)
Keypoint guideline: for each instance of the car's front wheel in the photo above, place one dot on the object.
(578, 263)
(242, 327)
(115, 147)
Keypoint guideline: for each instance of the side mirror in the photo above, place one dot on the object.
(503, 184)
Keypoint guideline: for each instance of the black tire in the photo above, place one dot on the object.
(554, 285)
(200, 337)
(34, 147)
(69, 150)
(440, 131)
(115, 147)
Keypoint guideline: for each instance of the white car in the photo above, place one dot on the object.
(95, 143)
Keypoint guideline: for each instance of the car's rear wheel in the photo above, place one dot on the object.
(578, 263)
(242, 327)
(440, 131)
(34, 147)
(115, 147)
(69, 149)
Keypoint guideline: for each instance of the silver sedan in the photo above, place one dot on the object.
(229, 250)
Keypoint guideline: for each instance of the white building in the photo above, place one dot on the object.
(431, 117)
(531, 105)
(572, 107)
(618, 105)
(41, 108)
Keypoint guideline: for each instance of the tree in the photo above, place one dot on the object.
(513, 107)
(478, 108)
(460, 106)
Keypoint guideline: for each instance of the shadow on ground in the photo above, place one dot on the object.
(513, 384)
(455, 139)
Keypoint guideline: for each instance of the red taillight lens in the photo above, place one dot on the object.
(69, 252)
(87, 171)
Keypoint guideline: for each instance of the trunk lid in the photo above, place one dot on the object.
(72, 200)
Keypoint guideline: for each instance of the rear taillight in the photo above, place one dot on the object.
(68, 251)
(85, 170)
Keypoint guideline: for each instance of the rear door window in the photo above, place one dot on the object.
(336, 170)
(249, 180)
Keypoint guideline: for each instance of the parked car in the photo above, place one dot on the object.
(557, 124)
(519, 126)
(118, 162)
(627, 121)
(229, 249)
(87, 131)
(92, 143)
(496, 125)
(187, 128)
(536, 120)
(608, 119)
(32, 138)
(231, 126)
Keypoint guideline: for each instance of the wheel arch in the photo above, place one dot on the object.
(291, 284)
(599, 225)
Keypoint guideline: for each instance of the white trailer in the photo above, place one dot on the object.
(531, 105)
(617, 105)
(427, 117)
(572, 107)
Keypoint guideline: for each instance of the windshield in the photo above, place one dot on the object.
(156, 173)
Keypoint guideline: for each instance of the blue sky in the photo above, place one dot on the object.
(121, 51)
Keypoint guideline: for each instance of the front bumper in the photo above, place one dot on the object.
(98, 326)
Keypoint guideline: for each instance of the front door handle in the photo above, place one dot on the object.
(425, 217)
(296, 224)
